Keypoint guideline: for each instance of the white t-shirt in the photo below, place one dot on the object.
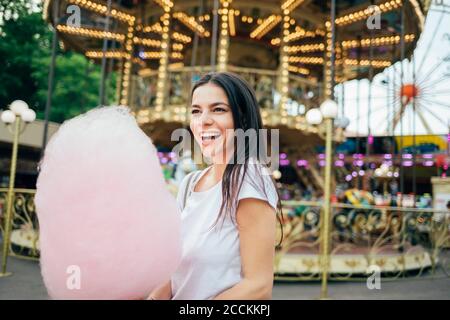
(211, 261)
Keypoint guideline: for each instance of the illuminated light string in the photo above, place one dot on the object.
(126, 77)
(365, 63)
(159, 55)
(91, 33)
(163, 57)
(267, 25)
(224, 40)
(190, 22)
(300, 33)
(147, 42)
(327, 71)
(164, 3)
(299, 70)
(380, 41)
(181, 37)
(364, 14)
(250, 20)
(108, 54)
(156, 27)
(290, 5)
(284, 70)
(305, 48)
(306, 60)
(177, 46)
(100, 8)
(205, 17)
(231, 14)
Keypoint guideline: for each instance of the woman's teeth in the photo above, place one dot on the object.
(210, 136)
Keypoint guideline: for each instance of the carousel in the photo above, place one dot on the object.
(283, 48)
(288, 52)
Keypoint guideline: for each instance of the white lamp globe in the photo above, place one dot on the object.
(8, 116)
(28, 115)
(18, 106)
(329, 109)
(276, 174)
(314, 116)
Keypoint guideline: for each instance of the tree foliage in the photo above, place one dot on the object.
(25, 54)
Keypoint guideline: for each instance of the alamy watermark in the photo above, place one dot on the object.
(374, 279)
(74, 18)
(73, 281)
(237, 146)
(374, 20)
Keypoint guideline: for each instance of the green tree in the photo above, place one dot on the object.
(25, 52)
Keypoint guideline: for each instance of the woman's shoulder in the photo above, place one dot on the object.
(186, 181)
(257, 183)
(255, 170)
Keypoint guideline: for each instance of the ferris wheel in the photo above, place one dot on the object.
(411, 97)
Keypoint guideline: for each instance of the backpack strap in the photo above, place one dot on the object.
(187, 190)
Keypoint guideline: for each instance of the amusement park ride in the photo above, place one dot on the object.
(284, 49)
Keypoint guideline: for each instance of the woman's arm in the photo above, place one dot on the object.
(256, 221)
(163, 292)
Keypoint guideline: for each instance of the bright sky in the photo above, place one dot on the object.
(434, 101)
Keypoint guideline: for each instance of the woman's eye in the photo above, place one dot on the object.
(194, 111)
(219, 109)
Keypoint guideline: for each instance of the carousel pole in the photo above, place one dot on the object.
(224, 38)
(342, 58)
(196, 38)
(394, 93)
(325, 236)
(126, 65)
(101, 92)
(369, 102)
(200, 10)
(9, 209)
(214, 35)
(358, 104)
(51, 76)
(283, 69)
(402, 57)
(414, 173)
(161, 85)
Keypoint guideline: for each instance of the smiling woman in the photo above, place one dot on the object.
(232, 259)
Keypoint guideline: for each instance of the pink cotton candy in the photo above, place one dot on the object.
(109, 228)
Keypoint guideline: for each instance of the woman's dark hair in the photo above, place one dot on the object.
(246, 115)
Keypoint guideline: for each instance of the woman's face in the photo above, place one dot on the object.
(212, 122)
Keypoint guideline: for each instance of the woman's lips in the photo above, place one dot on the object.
(206, 141)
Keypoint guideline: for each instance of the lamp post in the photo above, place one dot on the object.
(18, 112)
(328, 112)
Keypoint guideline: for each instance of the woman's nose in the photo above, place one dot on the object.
(206, 118)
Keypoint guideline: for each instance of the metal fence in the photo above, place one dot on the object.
(396, 242)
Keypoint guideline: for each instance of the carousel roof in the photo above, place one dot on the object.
(260, 34)
(255, 29)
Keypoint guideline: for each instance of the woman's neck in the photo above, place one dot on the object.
(217, 170)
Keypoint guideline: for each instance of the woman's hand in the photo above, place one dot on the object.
(163, 292)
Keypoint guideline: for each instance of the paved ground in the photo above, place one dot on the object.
(26, 283)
